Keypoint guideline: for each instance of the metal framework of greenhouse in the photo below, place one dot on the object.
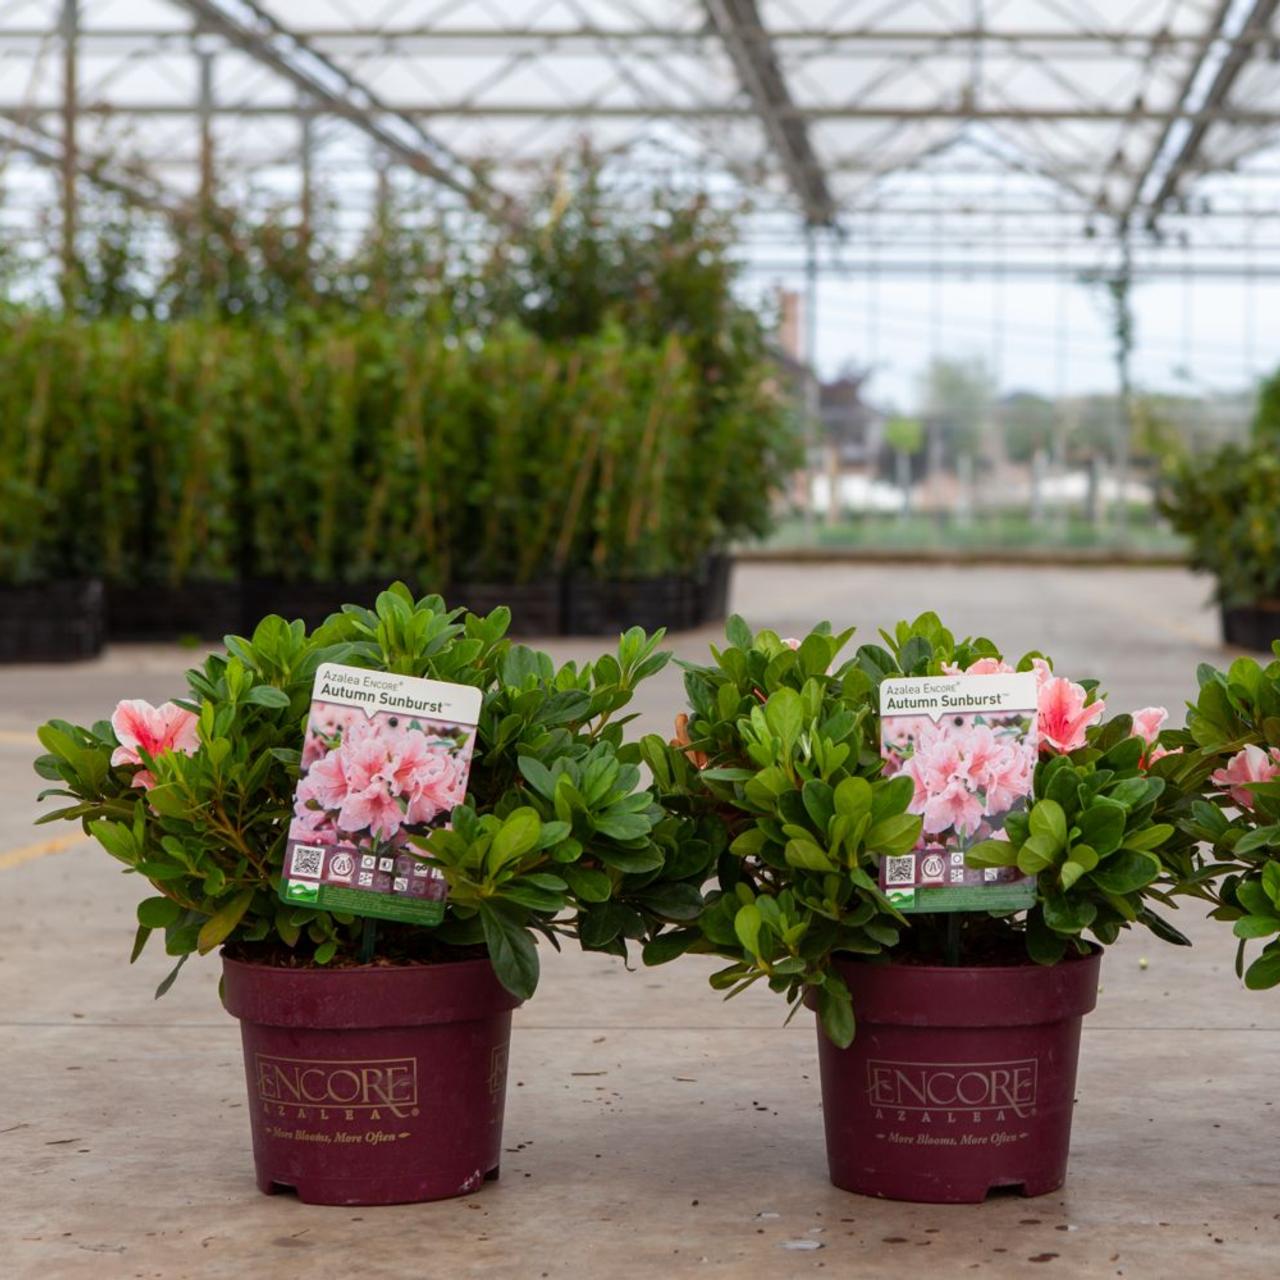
(1023, 138)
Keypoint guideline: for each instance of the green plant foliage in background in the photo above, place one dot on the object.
(350, 449)
(584, 393)
(1228, 506)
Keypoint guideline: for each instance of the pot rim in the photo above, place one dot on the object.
(937, 996)
(364, 996)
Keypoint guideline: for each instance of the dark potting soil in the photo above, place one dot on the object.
(395, 948)
(983, 943)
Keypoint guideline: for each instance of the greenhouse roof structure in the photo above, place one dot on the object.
(1018, 136)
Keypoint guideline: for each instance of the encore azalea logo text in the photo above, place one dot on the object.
(347, 1087)
(983, 1090)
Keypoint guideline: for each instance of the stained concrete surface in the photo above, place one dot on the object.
(652, 1129)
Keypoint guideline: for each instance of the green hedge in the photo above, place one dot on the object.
(349, 448)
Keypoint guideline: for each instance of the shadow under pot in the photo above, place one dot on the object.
(959, 1081)
(374, 1084)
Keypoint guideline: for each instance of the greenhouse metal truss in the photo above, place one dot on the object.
(925, 136)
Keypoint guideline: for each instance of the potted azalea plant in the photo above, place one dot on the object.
(948, 1040)
(1226, 506)
(1235, 724)
(376, 1049)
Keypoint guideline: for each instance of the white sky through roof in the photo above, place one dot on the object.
(979, 153)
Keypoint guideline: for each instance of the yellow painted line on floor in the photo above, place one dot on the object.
(41, 849)
(19, 738)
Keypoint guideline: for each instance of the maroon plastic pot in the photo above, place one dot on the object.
(373, 1085)
(958, 1081)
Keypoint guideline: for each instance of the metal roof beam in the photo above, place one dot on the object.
(425, 39)
(258, 34)
(1257, 23)
(740, 27)
(1212, 34)
(679, 111)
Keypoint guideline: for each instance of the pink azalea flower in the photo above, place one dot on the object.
(1148, 722)
(1253, 764)
(141, 727)
(1010, 781)
(1044, 672)
(956, 807)
(988, 667)
(438, 787)
(374, 809)
(1064, 717)
(791, 642)
(941, 760)
(327, 781)
(313, 825)
(983, 754)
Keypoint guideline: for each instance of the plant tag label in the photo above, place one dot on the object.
(384, 758)
(969, 743)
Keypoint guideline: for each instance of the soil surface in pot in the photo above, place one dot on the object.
(982, 943)
(398, 945)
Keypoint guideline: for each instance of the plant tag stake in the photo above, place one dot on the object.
(385, 757)
(970, 744)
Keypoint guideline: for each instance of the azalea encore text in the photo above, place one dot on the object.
(383, 699)
(936, 696)
(375, 691)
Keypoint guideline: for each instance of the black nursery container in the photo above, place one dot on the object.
(1252, 626)
(52, 621)
(209, 610)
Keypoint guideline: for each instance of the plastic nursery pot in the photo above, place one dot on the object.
(60, 621)
(537, 608)
(373, 1085)
(1252, 626)
(313, 602)
(164, 611)
(958, 1081)
(597, 606)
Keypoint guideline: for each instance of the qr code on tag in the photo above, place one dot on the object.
(308, 861)
(900, 871)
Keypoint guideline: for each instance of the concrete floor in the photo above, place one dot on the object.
(651, 1128)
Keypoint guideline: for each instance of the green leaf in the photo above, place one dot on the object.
(1258, 838)
(587, 884)
(853, 797)
(669, 946)
(158, 913)
(1256, 926)
(623, 826)
(807, 856)
(1126, 872)
(511, 951)
(139, 941)
(1037, 853)
(1043, 945)
(1102, 825)
(1264, 972)
(265, 695)
(835, 1011)
(894, 835)
(517, 836)
(1049, 823)
(171, 977)
(991, 853)
(746, 924)
(220, 925)
(784, 714)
